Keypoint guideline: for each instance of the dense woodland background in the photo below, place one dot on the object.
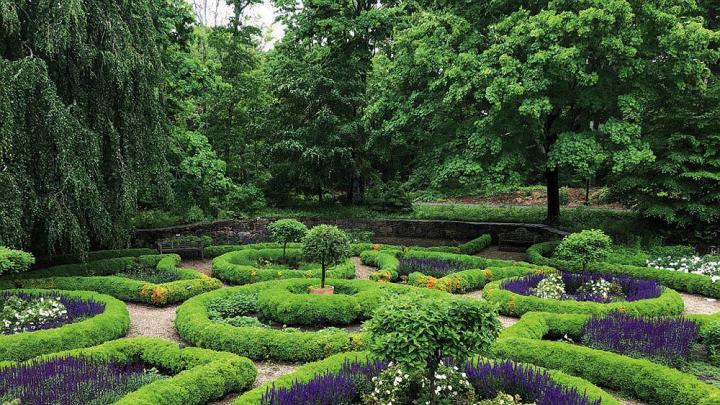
(112, 112)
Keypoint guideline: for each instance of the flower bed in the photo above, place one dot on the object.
(23, 312)
(122, 278)
(583, 287)
(511, 303)
(193, 375)
(252, 265)
(277, 300)
(645, 380)
(82, 325)
(541, 254)
(345, 377)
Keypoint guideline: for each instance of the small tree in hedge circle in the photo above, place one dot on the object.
(287, 231)
(584, 247)
(417, 332)
(327, 245)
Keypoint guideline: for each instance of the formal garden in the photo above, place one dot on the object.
(360, 202)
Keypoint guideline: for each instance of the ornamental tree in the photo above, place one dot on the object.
(286, 231)
(584, 247)
(327, 245)
(417, 332)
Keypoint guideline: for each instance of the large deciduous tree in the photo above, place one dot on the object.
(81, 122)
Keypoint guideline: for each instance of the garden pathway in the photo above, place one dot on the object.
(697, 304)
(362, 271)
(150, 321)
(492, 252)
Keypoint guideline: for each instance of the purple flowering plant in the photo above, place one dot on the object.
(430, 267)
(23, 312)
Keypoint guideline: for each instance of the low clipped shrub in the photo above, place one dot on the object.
(14, 261)
(197, 376)
(711, 338)
(256, 264)
(101, 255)
(194, 323)
(584, 247)
(121, 278)
(111, 323)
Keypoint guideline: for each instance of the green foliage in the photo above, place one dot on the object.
(417, 332)
(327, 245)
(112, 324)
(710, 334)
(584, 247)
(14, 261)
(232, 306)
(286, 231)
(390, 197)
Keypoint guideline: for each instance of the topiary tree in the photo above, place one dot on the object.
(417, 332)
(584, 247)
(287, 230)
(327, 245)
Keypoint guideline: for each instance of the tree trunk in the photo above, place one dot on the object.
(587, 191)
(552, 181)
(351, 191)
(322, 275)
(361, 188)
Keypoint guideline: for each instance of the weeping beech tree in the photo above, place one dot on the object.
(81, 123)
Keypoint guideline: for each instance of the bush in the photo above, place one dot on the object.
(711, 339)
(327, 245)
(14, 261)
(244, 198)
(111, 324)
(105, 276)
(584, 247)
(417, 333)
(287, 231)
(102, 255)
(476, 245)
(390, 197)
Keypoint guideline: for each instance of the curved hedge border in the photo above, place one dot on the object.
(98, 276)
(111, 324)
(512, 304)
(685, 282)
(199, 375)
(194, 325)
(102, 255)
(335, 363)
(642, 379)
(240, 267)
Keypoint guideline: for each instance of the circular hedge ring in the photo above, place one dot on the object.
(513, 304)
(258, 343)
(111, 324)
(246, 266)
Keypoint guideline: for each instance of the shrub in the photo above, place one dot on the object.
(244, 198)
(711, 338)
(14, 261)
(287, 231)
(417, 332)
(390, 197)
(327, 245)
(584, 247)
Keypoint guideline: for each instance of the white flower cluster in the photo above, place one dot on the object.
(599, 288)
(692, 264)
(18, 315)
(551, 286)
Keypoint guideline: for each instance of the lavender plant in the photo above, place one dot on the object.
(72, 380)
(22, 312)
(668, 340)
(430, 267)
(588, 287)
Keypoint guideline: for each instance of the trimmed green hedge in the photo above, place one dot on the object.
(102, 255)
(240, 267)
(194, 325)
(111, 324)
(641, 379)
(467, 280)
(677, 280)
(199, 375)
(512, 304)
(334, 363)
(98, 276)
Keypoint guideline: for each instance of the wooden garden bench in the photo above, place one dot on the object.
(517, 240)
(179, 247)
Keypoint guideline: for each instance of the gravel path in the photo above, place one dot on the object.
(505, 320)
(697, 304)
(147, 320)
(362, 271)
(267, 371)
(202, 265)
(492, 252)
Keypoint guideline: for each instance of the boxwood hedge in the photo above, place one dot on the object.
(198, 375)
(642, 379)
(686, 282)
(99, 276)
(335, 363)
(511, 304)
(242, 266)
(111, 324)
(194, 325)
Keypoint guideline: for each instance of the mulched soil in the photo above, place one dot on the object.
(576, 198)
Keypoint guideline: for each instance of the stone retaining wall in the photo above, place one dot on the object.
(235, 231)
